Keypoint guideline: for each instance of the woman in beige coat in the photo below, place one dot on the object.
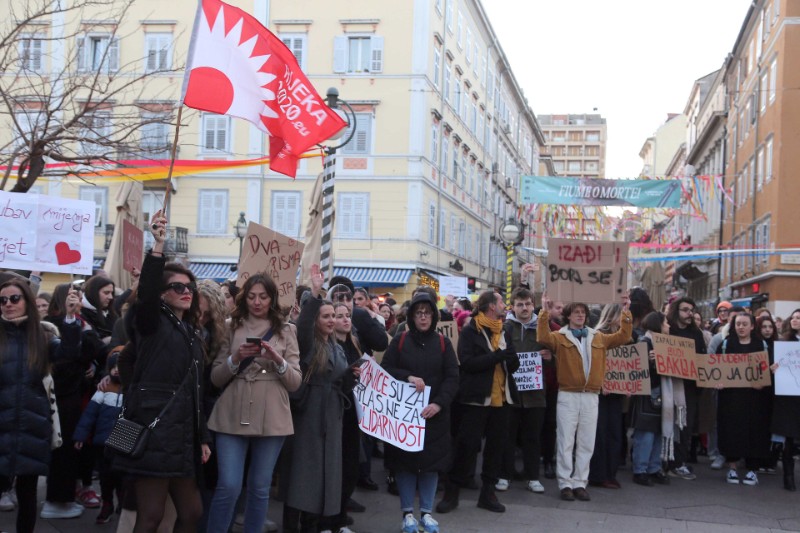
(253, 410)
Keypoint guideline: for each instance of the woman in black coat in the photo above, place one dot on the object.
(25, 357)
(743, 414)
(424, 357)
(786, 411)
(167, 366)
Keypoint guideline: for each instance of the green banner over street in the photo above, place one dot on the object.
(601, 192)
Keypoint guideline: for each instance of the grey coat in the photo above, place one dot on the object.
(315, 474)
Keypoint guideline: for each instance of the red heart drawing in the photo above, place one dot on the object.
(65, 255)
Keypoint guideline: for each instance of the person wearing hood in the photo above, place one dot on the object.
(526, 415)
(580, 354)
(488, 360)
(424, 357)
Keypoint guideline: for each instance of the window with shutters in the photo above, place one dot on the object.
(437, 67)
(442, 229)
(434, 144)
(462, 238)
(285, 212)
(358, 54)
(470, 246)
(760, 168)
(30, 53)
(99, 197)
(158, 51)
(361, 142)
(212, 216)
(457, 98)
(296, 42)
(453, 234)
(464, 169)
(152, 201)
(94, 134)
(215, 134)
(444, 167)
(155, 135)
(773, 78)
(28, 121)
(448, 82)
(98, 53)
(448, 15)
(432, 223)
(352, 215)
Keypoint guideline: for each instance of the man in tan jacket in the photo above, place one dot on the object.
(580, 354)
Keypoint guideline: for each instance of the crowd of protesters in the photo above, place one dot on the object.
(244, 399)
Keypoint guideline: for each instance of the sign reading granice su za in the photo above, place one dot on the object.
(600, 192)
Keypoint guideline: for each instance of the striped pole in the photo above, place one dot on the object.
(509, 271)
(326, 244)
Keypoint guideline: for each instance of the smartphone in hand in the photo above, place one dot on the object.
(253, 340)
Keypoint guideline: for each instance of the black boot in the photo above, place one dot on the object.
(291, 520)
(488, 500)
(309, 523)
(450, 500)
(788, 472)
(775, 453)
(695, 443)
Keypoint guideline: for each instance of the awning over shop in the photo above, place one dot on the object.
(742, 302)
(375, 277)
(215, 271)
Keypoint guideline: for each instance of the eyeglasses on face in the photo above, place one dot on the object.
(422, 313)
(181, 288)
(342, 297)
(14, 299)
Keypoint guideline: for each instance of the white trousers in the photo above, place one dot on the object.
(576, 419)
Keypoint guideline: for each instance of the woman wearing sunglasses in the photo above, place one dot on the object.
(167, 364)
(25, 358)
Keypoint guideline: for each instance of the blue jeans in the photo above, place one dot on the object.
(231, 453)
(646, 452)
(407, 483)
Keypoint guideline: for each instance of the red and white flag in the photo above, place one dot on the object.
(238, 67)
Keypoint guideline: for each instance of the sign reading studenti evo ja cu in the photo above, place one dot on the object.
(46, 233)
(391, 410)
(601, 192)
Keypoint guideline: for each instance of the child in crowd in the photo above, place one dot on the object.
(96, 422)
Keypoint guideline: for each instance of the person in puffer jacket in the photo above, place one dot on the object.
(96, 422)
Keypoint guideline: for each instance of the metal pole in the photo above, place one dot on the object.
(326, 244)
(509, 270)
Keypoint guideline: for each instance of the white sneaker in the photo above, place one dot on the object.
(718, 462)
(6, 502)
(732, 477)
(53, 510)
(429, 525)
(750, 479)
(535, 486)
(410, 524)
(501, 485)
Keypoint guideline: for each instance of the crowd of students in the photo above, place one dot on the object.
(243, 397)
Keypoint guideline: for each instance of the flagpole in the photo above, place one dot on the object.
(328, 179)
(172, 160)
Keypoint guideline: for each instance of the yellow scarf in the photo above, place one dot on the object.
(495, 327)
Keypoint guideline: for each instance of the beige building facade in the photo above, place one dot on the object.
(577, 144)
(443, 134)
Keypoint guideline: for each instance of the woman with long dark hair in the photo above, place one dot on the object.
(743, 414)
(315, 472)
(25, 358)
(786, 410)
(252, 414)
(163, 376)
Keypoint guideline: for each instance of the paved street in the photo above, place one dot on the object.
(706, 505)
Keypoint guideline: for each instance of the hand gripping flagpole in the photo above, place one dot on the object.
(328, 179)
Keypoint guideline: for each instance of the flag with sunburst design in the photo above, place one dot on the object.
(238, 67)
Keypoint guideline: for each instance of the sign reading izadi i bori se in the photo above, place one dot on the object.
(586, 271)
(601, 192)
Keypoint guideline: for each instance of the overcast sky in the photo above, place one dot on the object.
(634, 60)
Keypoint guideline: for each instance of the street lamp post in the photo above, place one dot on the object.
(240, 228)
(511, 234)
(328, 175)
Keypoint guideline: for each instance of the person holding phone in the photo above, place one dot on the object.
(252, 413)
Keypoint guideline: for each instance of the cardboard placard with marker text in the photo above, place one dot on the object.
(627, 370)
(733, 370)
(675, 356)
(586, 271)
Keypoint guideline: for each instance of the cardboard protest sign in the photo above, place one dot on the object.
(46, 233)
(627, 370)
(675, 356)
(454, 285)
(274, 254)
(391, 409)
(449, 329)
(132, 246)
(787, 377)
(529, 374)
(586, 271)
(733, 370)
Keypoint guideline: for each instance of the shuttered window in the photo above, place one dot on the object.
(358, 54)
(362, 140)
(158, 51)
(215, 134)
(212, 214)
(297, 44)
(285, 212)
(97, 53)
(352, 214)
(99, 197)
(30, 53)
